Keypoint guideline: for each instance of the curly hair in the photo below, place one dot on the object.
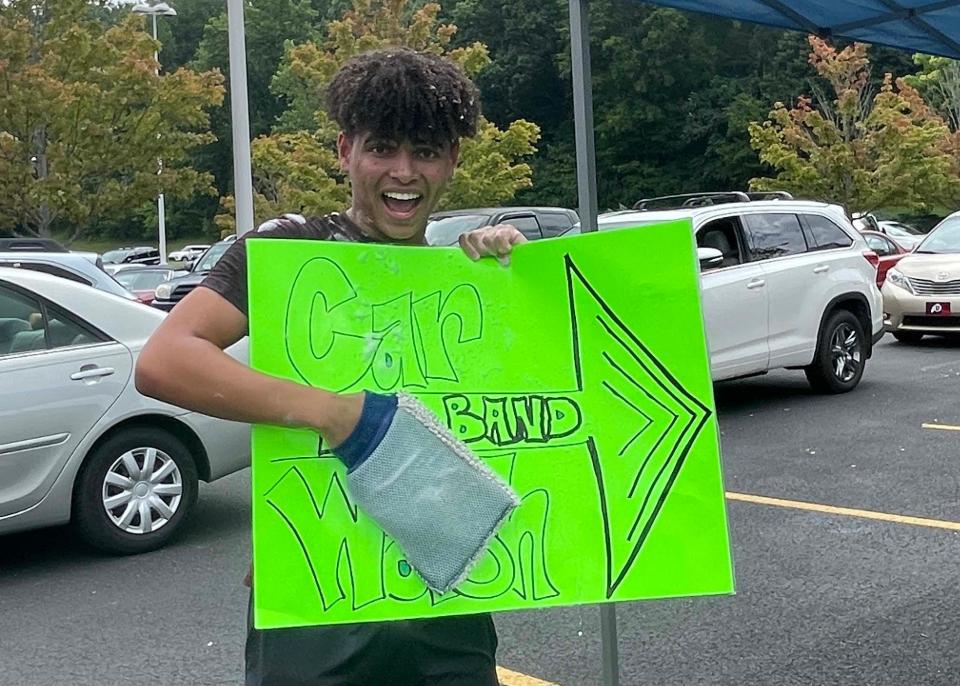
(400, 94)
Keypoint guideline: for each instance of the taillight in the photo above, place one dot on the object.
(872, 258)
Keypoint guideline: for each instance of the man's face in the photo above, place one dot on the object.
(395, 184)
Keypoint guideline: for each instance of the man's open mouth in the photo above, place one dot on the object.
(401, 203)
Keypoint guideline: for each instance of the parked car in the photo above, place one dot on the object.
(888, 251)
(73, 266)
(785, 283)
(173, 291)
(907, 236)
(445, 228)
(922, 293)
(143, 281)
(188, 253)
(128, 255)
(78, 443)
(904, 235)
(27, 244)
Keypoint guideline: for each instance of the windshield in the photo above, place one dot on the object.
(115, 256)
(446, 231)
(902, 230)
(944, 238)
(142, 281)
(211, 257)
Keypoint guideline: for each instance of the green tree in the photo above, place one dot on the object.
(84, 118)
(939, 82)
(864, 151)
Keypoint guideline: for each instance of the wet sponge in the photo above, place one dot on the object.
(431, 494)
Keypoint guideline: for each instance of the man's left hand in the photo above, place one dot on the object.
(497, 241)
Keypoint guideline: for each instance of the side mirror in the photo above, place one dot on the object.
(188, 266)
(710, 258)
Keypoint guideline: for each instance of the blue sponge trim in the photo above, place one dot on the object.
(375, 419)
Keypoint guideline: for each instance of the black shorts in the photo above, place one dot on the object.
(448, 651)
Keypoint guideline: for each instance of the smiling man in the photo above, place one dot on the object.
(401, 115)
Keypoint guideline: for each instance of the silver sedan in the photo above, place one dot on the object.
(78, 443)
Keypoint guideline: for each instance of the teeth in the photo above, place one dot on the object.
(402, 196)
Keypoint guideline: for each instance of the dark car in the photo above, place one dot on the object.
(30, 245)
(533, 222)
(128, 255)
(173, 291)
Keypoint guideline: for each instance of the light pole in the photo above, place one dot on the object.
(153, 11)
(240, 115)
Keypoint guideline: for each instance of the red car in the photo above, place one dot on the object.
(887, 250)
(143, 281)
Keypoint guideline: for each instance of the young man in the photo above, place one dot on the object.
(401, 115)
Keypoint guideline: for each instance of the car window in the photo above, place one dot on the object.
(944, 238)
(774, 235)
(722, 235)
(51, 269)
(825, 234)
(63, 332)
(211, 257)
(554, 223)
(115, 256)
(21, 323)
(27, 325)
(528, 226)
(446, 230)
(142, 281)
(880, 245)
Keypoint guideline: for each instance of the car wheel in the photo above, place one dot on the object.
(908, 337)
(841, 353)
(134, 491)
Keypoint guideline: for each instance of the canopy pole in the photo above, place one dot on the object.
(583, 114)
(240, 119)
(587, 197)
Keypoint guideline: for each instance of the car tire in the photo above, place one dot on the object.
(908, 337)
(111, 504)
(840, 356)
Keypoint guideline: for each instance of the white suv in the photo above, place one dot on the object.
(785, 283)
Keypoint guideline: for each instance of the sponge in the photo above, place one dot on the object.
(431, 494)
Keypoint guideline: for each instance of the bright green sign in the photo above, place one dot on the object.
(579, 373)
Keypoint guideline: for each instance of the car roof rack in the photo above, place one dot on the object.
(668, 202)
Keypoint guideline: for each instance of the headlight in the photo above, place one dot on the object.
(163, 292)
(898, 279)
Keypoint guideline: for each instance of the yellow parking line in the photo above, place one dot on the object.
(511, 678)
(846, 511)
(942, 427)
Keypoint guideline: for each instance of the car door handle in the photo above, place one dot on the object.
(820, 269)
(756, 283)
(91, 373)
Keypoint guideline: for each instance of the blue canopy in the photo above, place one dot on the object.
(912, 25)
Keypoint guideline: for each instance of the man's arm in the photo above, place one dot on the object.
(184, 364)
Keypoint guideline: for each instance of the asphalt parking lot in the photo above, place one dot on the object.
(864, 594)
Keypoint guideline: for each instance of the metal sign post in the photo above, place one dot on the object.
(587, 195)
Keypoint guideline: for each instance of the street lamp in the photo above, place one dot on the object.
(161, 9)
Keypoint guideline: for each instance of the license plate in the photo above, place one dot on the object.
(941, 309)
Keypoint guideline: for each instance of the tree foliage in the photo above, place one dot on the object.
(84, 118)
(491, 170)
(850, 145)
